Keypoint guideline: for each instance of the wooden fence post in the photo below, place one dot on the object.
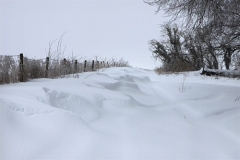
(21, 68)
(47, 65)
(85, 65)
(64, 69)
(75, 66)
(92, 65)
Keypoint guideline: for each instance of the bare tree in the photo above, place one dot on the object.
(171, 50)
(221, 16)
(202, 12)
(159, 51)
(215, 22)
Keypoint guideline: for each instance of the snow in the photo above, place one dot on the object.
(121, 113)
(226, 73)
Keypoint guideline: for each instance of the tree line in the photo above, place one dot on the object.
(201, 33)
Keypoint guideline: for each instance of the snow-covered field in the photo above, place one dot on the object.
(121, 113)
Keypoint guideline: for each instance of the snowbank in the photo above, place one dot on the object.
(121, 113)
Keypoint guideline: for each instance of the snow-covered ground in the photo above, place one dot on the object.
(121, 113)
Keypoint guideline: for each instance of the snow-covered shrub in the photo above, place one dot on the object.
(36, 69)
(54, 69)
(33, 69)
(159, 70)
(8, 70)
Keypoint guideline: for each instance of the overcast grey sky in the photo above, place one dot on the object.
(104, 28)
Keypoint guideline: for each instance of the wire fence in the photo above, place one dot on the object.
(18, 68)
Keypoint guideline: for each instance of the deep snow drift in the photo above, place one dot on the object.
(121, 113)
